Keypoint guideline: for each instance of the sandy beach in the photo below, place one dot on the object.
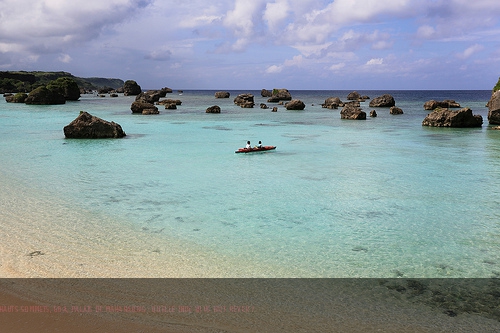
(52, 279)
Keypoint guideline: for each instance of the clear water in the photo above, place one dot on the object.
(384, 197)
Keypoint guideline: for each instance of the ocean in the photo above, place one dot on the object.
(381, 197)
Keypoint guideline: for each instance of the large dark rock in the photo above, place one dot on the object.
(44, 96)
(447, 103)
(86, 126)
(280, 95)
(354, 96)
(144, 108)
(351, 111)
(67, 87)
(213, 109)
(222, 94)
(332, 103)
(150, 96)
(494, 108)
(449, 118)
(244, 100)
(295, 104)
(396, 110)
(266, 93)
(383, 101)
(131, 88)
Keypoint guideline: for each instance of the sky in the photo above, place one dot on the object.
(255, 44)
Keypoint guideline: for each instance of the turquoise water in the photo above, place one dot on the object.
(384, 197)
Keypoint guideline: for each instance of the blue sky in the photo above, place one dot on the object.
(254, 44)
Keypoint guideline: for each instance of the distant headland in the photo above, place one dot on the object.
(24, 81)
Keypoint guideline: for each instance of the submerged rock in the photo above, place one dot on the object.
(449, 118)
(396, 110)
(87, 126)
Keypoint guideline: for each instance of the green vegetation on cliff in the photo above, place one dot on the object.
(22, 81)
(497, 87)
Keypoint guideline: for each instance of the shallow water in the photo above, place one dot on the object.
(384, 197)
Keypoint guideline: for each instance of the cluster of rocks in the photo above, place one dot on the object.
(352, 109)
(55, 92)
(145, 100)
(274, 96)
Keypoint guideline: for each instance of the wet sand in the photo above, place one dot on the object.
(220, 305)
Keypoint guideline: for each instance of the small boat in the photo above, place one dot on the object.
(255, 149)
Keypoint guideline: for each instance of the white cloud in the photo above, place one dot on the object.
(375, 61)
(467, 53)
(337, 67)
(65, 58)
(274, 69)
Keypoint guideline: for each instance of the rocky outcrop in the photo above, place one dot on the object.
(266, 93)
(395, 110)
(150, 96)
(65, 86)
(494, 108)
(332, 103)
(263, 106)
(295, 104)
(351, 111)
(144, 108)
(373, 113)
(170, 101)
(383, 101)
(213, 109)
(450, 118)
(222, 94)
(17, 98)
(44, 96)
(280, 95)
(245, 100)
(86, 126)
(353, 96)
(131, 88)
(447, 103)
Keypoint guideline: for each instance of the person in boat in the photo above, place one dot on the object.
(259, 145)
(248, 146)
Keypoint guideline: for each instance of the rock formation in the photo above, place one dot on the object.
(295, 104)
(494, 108)
(44, 96)
(86, 126)
(373, 113)
(144, 108)
(449, 118)
(213, 109)
(332, 103)
(447, 103)
(395, 110)
(17, 98)
(150, 96)
(244, 100)
(222, 94)
(280, 95)
(131, 88)
(383, 101)
(266, 93)
(351, 111)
